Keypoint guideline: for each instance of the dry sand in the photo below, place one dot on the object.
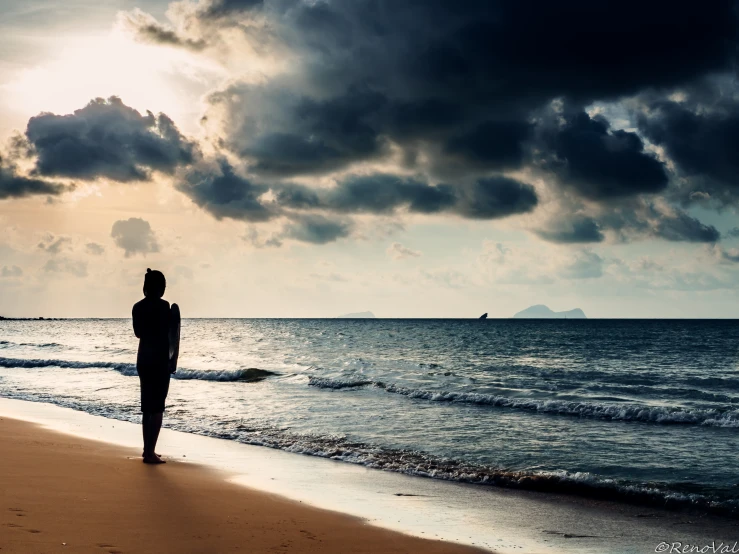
(60, 493)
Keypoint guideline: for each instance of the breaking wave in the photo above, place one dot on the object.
(6, 344)
(325, 383)
(614, 412)
(251, 374)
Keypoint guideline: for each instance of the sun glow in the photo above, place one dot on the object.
(146, 77)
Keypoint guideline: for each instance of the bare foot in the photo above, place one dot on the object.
(153, 460)
(155, 454)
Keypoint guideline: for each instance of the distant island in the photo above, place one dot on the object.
(358, 315)
(540, 311)
(3, 318)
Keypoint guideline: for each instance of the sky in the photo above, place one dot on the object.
(310, 158)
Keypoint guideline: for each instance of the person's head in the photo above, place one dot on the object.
(154, 283)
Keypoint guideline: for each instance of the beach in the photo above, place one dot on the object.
(78, 479)
(511, 436)
(62, 493)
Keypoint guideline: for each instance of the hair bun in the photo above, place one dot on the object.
(148, 270)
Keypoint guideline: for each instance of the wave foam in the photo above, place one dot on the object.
(325, 383)
(248, 375)
(590, 410)
(5, 344)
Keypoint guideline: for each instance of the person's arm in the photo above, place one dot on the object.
(136, 323)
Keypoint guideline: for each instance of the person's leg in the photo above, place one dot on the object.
(146, 408)
(146, 428)
(145, 419)
(154, 425)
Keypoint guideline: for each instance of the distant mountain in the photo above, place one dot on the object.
(358, 315)
(540, 311)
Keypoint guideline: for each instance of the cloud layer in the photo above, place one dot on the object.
(484, 110)
(107, 139)
(15, 185)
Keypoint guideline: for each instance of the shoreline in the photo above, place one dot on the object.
(503, 520)
(62, 492)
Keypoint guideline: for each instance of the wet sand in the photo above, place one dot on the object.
(62, 493)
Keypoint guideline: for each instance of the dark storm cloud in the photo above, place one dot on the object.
(147, 29)
(495, 197)
(458, 92)
(513, 51)
(600, 163)
(106, 138)
(224, 8)
(682, 227)
(455, 87)
(14, 185)
(487, 198)
(626, 221)
(134, 236)
(701, 136)
(427, 117)
(651, 220)
(464, 77)
(300, 135)
(579, 49)
(223, 193)
(497, 144)
(384, 193)
(316, 229)
(161, 35)
(573, 230)
(626, 186)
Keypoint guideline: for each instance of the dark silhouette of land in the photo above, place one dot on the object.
(3, 318)
(540, 311)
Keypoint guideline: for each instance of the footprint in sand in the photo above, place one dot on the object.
(31, 530)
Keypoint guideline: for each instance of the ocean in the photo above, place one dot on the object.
(642, 411)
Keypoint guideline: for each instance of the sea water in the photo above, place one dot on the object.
(641, 411)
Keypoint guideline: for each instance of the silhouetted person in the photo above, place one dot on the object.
(151, 326)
